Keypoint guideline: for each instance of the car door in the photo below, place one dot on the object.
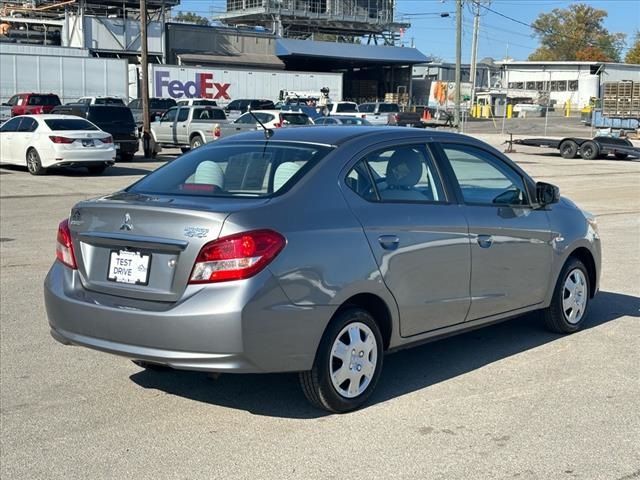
(8, 133)
(181, 127)
(23, 138)
(418, 236)
(511, 248)
(164, 128)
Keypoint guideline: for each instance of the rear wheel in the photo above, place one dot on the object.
(34, 165)
(196, 142)
(570, 299)
(620, 156)
(347, 365)
(127, 157)
(589, 150)
(568, 149)
(97, 169)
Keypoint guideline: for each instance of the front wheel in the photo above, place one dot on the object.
(347, 365)
(34, 164)
(570, 299)
(568, 149)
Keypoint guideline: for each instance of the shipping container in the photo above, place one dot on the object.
(226, 84)
(69, 77)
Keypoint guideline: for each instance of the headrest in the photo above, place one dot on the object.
(404, 168)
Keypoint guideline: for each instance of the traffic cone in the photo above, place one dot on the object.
(426, 114)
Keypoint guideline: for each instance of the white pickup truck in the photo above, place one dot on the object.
(188, 127)
(341, 109)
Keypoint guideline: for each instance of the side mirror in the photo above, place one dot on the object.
(546, 193)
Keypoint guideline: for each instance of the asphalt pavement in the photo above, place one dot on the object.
(510, 401)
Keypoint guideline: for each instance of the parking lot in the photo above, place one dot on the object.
(510, 401)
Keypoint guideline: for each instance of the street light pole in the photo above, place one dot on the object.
(144, 68)
(458, 79)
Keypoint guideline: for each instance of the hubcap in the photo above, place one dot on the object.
(196, 143)
(32, 162)
(574, 296)
(353, 359)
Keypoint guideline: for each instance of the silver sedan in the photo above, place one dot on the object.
(318, 250)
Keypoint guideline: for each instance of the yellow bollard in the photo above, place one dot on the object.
(567, 108)
(509, 110)
(486, 111)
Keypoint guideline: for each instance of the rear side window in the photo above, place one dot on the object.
(367, 108)
(234, 170)
(43, 100)
(28, 125)
(483, 178)
(405, 173)
(62, 124)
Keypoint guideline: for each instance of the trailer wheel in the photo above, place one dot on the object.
(568, 149)
(620, 156)
(589, 150)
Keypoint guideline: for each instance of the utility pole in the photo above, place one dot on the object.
(474, 49)
(458, 62)
(146, 136)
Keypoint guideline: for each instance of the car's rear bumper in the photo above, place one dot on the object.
(250, 327)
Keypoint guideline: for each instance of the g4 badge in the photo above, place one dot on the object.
(196, 232)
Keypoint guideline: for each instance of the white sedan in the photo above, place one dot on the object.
(275, 118)
(44, 141)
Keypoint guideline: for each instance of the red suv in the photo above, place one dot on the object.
(32, 103)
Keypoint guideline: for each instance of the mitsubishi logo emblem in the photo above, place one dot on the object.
(127, 225)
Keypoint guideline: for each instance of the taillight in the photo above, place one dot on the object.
(108, 139)
(57, 139)
(64, 246)
(217, 132)
(396, 117)
(237, 256)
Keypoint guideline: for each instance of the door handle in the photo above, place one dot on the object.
(389, 242)
(485, 241)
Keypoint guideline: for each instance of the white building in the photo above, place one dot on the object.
(575, 82)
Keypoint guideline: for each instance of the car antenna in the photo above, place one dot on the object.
(268, 133)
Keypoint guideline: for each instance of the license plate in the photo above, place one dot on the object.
(87, 143)
(126, 266)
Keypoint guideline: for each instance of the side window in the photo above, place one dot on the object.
(246, 118)
(359, 180)
(11, 125)
(183, 115)
(169, 115)
(13, 100)
(28, 125)
(483, 178)
(399, 174)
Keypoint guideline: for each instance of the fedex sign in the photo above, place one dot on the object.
(202, 87)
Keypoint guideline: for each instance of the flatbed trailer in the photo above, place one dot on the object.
(588, 149)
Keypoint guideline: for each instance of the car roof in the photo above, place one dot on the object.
(49, 116)
(337, 135)
(276, 112)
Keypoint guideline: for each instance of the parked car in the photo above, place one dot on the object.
(237, 107)
(101, 101)
(188, 102)
(270, 119)
(157, 107)
(341, 121)
(40, 142)
(32, 103)
(188, 127)
(378, 112)
(116, 120)
(317, 250)
(346, 109)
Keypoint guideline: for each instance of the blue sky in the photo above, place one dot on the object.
(432, 34)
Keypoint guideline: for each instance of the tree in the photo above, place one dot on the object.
(576, 33)
(633, 55)
(190, 17)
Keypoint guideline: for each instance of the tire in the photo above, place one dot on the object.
(97, 169)
(320, 384)
(565, 315)
(185, 149)
(127, 157)
(620, 156)
(568, 149)
(156, 367)
(589, 150)
(196, 141)
(34, 164)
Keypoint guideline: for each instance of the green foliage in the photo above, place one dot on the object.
(633, 55)
(576, 33)
(190, 17)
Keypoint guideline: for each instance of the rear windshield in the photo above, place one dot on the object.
(233, 170)
(57, 124)
(108, 101)
(161, 103)
(44, 100)
(388, 108)
(211, 103)
(208, 114)
(346, 107)
(295, 118)
(109, 114)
